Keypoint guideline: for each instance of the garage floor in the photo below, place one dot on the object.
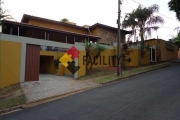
(53, 85)
(43, 77)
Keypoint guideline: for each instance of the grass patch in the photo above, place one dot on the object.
(130, 73)
(9, 103)
(98, 72)
(107, 79)
(10, 89)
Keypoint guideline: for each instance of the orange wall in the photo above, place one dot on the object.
(151, 43)
(57, 26)
(167, 54)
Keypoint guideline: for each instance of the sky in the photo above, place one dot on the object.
(89, 12)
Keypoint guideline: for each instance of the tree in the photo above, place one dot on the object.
(143, 20)
(177, 40)
(126, 52)
(174, 5)
(64, 20)
(92, 48)
(4, 15)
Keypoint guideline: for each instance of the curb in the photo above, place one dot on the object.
(45, 100)
(127, 77)
(11, 109)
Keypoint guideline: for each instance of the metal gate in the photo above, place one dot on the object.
(32, 62)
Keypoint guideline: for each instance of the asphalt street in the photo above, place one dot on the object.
(151, 96)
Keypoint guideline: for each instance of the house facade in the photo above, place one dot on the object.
(157, 50)
(161, 50)
(29, 48)
(107, 33)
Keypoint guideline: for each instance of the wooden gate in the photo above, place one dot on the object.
(32, 62)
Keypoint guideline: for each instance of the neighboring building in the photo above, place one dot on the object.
(108, 34)
(161, 50)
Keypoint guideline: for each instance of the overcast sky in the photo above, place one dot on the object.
(88, 12)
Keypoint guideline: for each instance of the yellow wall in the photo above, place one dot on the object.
(50, 67)
(105, 59)
(134, 57)
(146, 58)
(57, 26)
(10, 60)
(82, 63)
(82, 70)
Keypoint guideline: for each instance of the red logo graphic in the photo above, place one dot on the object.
(74, 52)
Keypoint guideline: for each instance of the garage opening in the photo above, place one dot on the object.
(47, 65)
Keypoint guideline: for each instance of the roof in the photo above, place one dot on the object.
(20, 24)
(155, 39)
(110, 27)
(26, 17)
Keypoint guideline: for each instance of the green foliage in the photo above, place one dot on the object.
(88, 45)
(4, 15)
(93, 47)
(174, 5)
(56, 62)
(12, 102)
(177, 40)
(64, 20)
(126, 52)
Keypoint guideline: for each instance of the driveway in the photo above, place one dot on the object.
(53, 85)
(150, 96)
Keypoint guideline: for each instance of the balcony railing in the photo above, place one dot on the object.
(55, 49)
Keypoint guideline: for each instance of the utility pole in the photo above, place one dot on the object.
(119, 70)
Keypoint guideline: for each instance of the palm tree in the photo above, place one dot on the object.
(143, 20)
(4, 15)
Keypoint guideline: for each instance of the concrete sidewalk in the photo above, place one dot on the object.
(52, 85)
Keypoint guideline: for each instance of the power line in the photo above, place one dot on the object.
(129, 4)
(157, 13)
(167, 27)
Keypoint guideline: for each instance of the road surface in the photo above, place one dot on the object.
(150, 96)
